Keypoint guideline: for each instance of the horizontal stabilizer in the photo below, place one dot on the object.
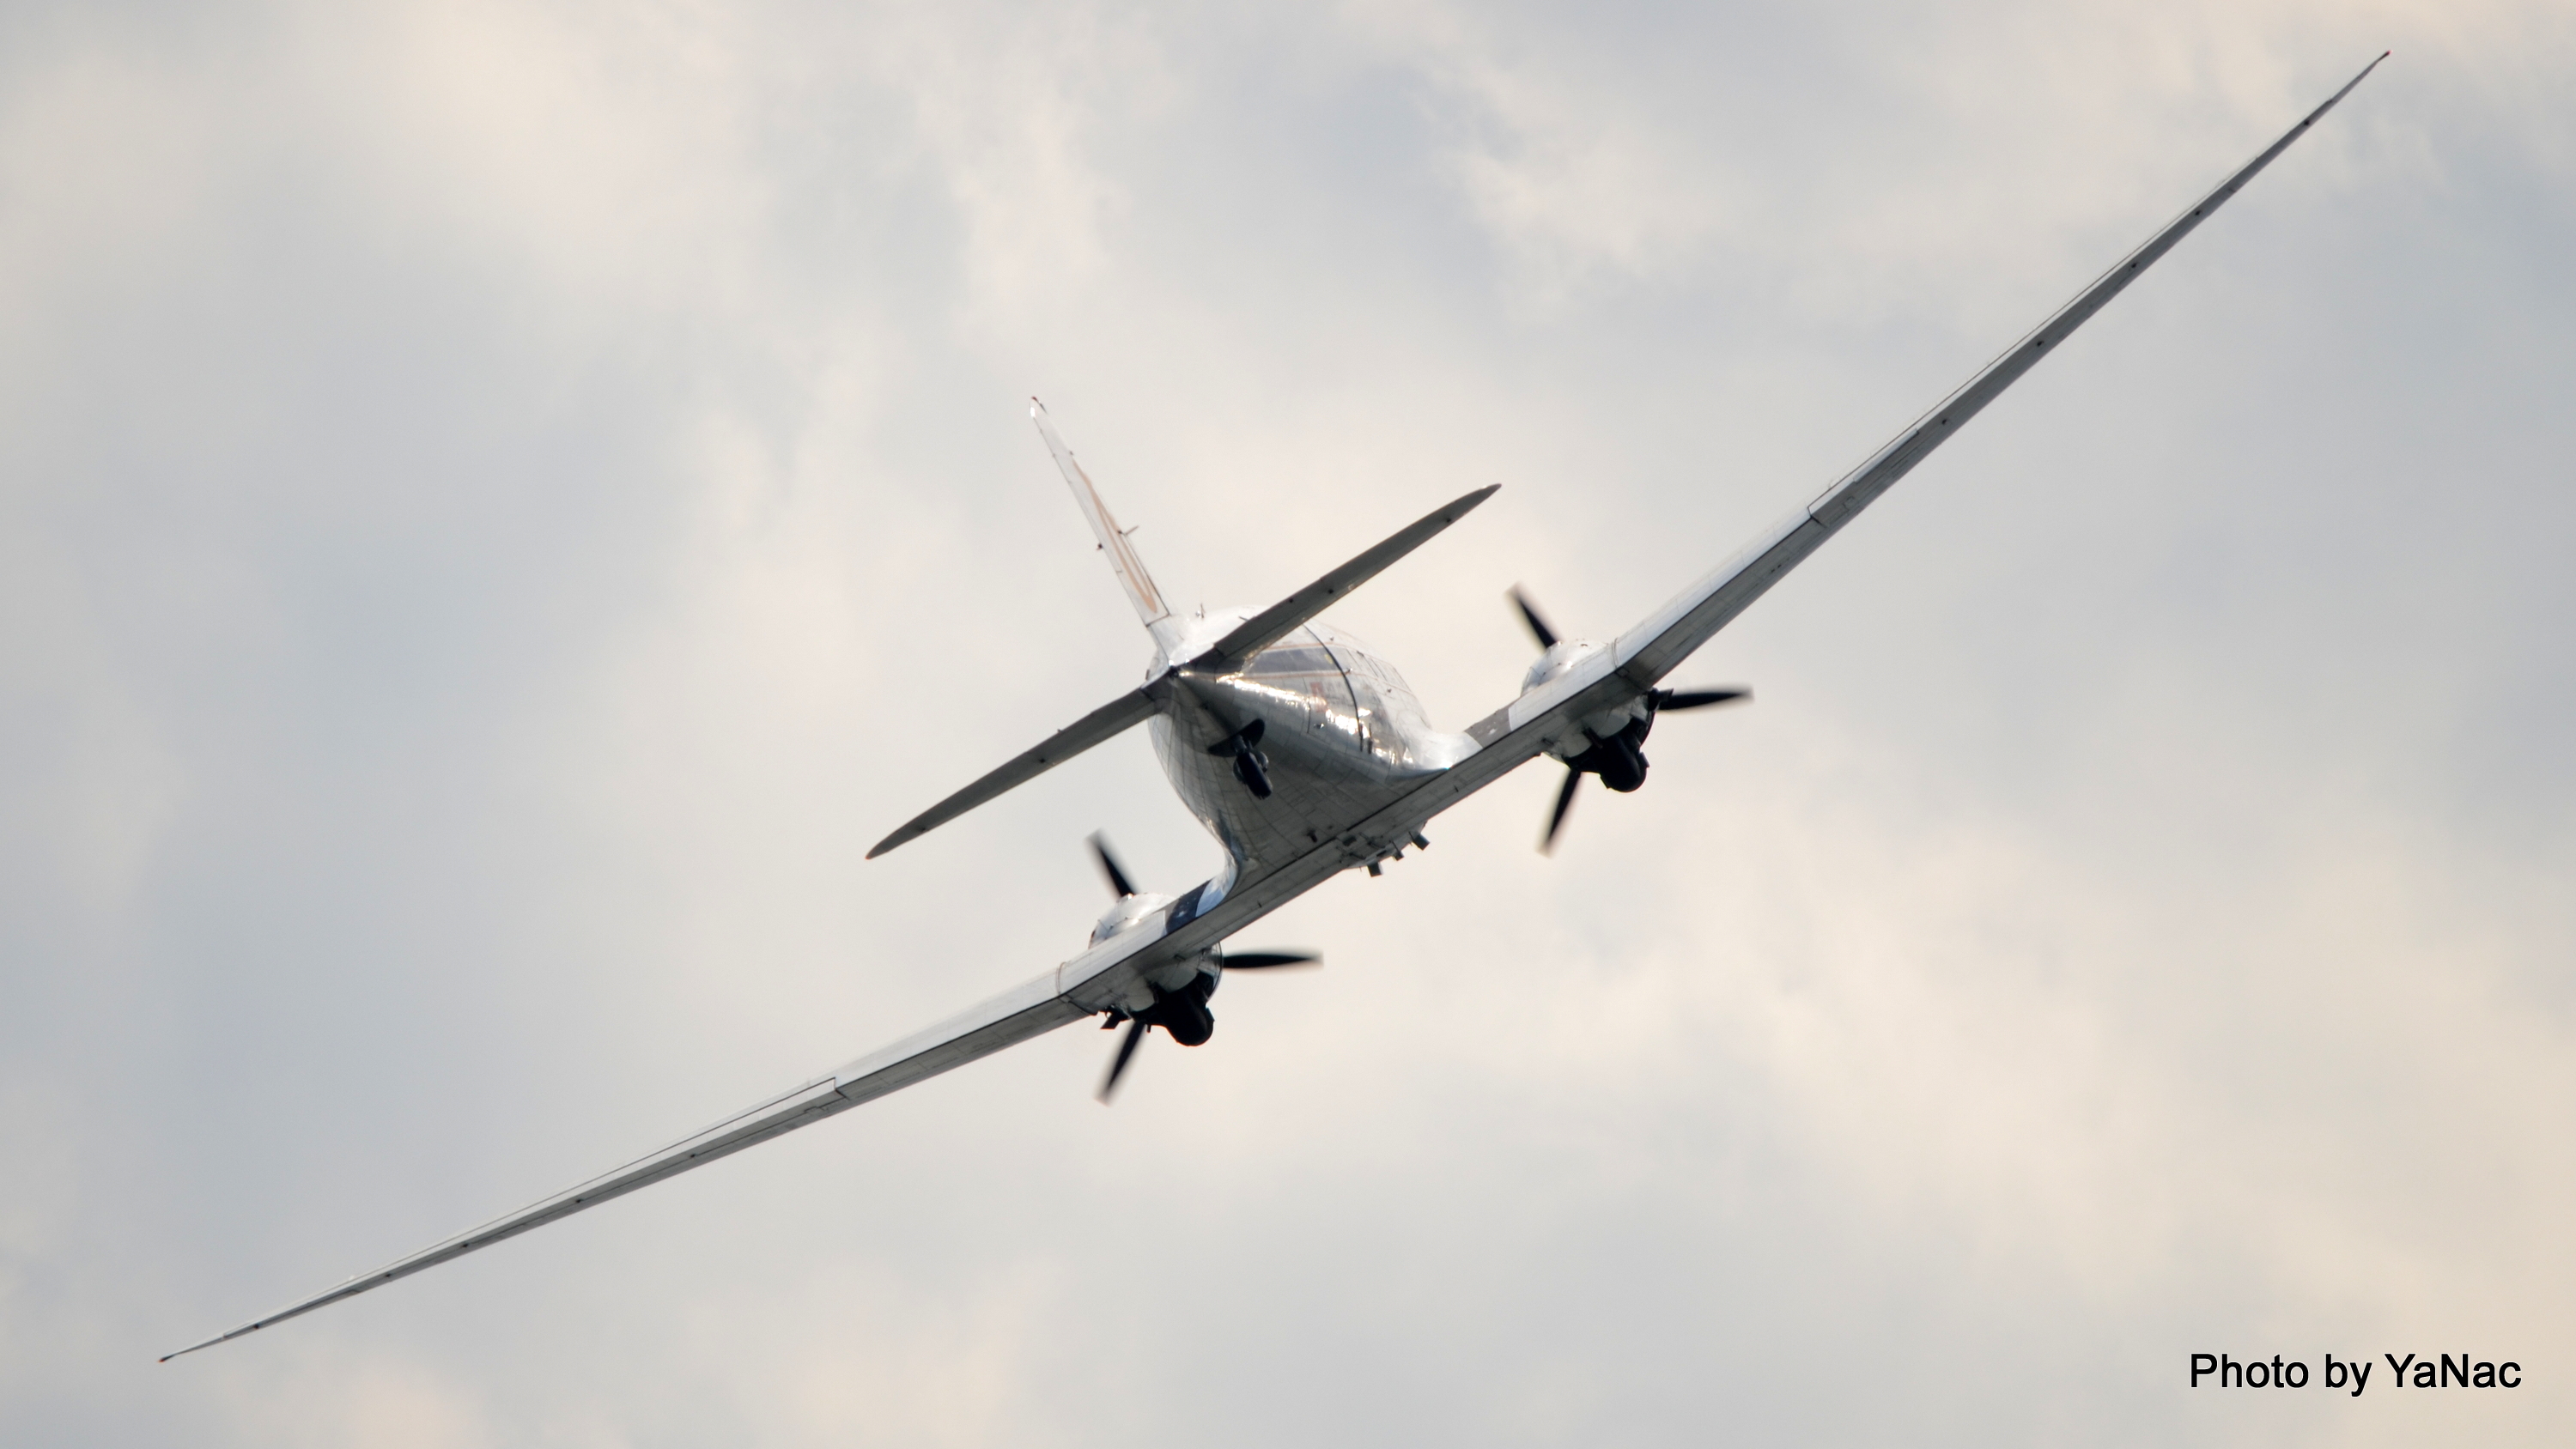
(1110, 720)
(1273, 624)
(1225, 657)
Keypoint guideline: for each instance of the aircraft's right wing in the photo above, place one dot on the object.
(1550, 715)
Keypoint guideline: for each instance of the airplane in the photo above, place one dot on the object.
(1305, 756)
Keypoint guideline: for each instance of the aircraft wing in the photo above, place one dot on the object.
(1650, 651)
(1031, 1010)
(1554, 712)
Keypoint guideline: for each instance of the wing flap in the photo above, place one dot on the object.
(1031, 1010)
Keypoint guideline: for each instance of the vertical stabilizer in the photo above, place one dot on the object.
(1150, 608)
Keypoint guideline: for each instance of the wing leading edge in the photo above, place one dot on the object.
(1648, 652)
(1541, 718)
(1656, 646)
(1101, 975)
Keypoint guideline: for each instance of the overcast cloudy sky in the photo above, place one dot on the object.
(500, 504)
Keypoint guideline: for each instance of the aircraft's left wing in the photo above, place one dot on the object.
(1013, 1017)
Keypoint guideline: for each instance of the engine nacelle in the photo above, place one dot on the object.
(1616, 757)
(1560, 657)
(1186, 1017)
(1130, 911)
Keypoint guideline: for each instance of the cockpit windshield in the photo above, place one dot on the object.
(1291, 660)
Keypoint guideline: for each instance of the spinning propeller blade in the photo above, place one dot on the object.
(1537, 626)
(1658, 701)
(1118, 1063)
(1672, 699)
(1556, 817)
(1119, 885)
(1265, 960)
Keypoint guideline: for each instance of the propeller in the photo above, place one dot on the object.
(1119, 885)
(1183, 1012)
(1680, 699)
(1268, 960)
(1180, 1011)
(1126, 1049)
(1529, 615)
(1556, 817)
(1620, 759)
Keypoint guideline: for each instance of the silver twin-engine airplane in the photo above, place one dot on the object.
(1306, 756)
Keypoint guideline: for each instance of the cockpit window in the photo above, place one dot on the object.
(1290, 661)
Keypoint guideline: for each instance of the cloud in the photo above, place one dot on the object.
(500, 506)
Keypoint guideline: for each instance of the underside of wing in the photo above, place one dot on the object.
(1656, 646)
(1604, 691)
(1006, 1020)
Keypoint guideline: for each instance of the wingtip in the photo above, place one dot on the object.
(911, 831)
(192, 1348)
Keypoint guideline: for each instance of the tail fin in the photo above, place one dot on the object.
(1150, 608)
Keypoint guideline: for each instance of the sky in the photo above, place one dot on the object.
(500, 505)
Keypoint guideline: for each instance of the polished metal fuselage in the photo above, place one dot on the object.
(1342, 734)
